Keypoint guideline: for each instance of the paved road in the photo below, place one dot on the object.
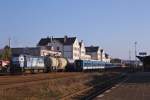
(136, 87)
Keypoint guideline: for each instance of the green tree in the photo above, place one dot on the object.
(0, 56)
(6, 55)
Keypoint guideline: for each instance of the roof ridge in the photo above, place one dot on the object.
(69, 41)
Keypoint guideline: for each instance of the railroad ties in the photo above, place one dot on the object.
(93, 91)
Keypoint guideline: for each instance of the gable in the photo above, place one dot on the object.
(76, 43)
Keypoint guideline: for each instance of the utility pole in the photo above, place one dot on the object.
(9, 42)
(129, 55)
(130, 67)
(135, 50)
(135, 43)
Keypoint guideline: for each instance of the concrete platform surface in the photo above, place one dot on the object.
(135, 87)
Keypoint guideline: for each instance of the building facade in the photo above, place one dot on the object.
(94, 52)
(35, 51)
(106, 58)
(83, 54)
(68, 46)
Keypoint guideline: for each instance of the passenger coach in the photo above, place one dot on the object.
(82, 65)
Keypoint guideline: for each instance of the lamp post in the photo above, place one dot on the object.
(9, 42)
(135, 43)
(129, 59)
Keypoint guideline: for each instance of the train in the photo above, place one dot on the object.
(84, 65)
(34, 64)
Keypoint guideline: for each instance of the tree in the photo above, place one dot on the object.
(0, 56)
(6, 55)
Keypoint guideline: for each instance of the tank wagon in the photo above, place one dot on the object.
(62, 64)
(33, 64)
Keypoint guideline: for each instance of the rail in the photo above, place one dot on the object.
(31, 80)
(93, 91)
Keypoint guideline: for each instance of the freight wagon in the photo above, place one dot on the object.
(33, 64)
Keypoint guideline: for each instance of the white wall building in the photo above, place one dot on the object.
(35, 51)
(97, 53)
(94, 52)
(83, 54)
(106, 58)
(68, 46)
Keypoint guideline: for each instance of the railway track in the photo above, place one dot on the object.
(93, 91)
(15, 81)
(29, 85)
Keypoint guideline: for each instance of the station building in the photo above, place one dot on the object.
(68, 46)
(35, 51)
(94, 52)
(106, 58)
(83, 54)
(97, 53)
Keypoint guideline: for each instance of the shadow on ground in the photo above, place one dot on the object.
(139, 78)
(100, 83)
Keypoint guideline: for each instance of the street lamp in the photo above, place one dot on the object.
(135, 49)
(135, 43)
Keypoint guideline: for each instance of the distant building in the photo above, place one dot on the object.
(94, 52)
(35, 51)
(68, 46)
(106, 58)
(116, 61)
(83, 54)
(97, 54)
(131, 62)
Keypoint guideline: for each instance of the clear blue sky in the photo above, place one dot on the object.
(111, 24)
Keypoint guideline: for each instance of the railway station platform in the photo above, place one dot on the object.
(135, 87)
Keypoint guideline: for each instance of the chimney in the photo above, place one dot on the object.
(65, 38)
(51, 38)
(101, 54)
